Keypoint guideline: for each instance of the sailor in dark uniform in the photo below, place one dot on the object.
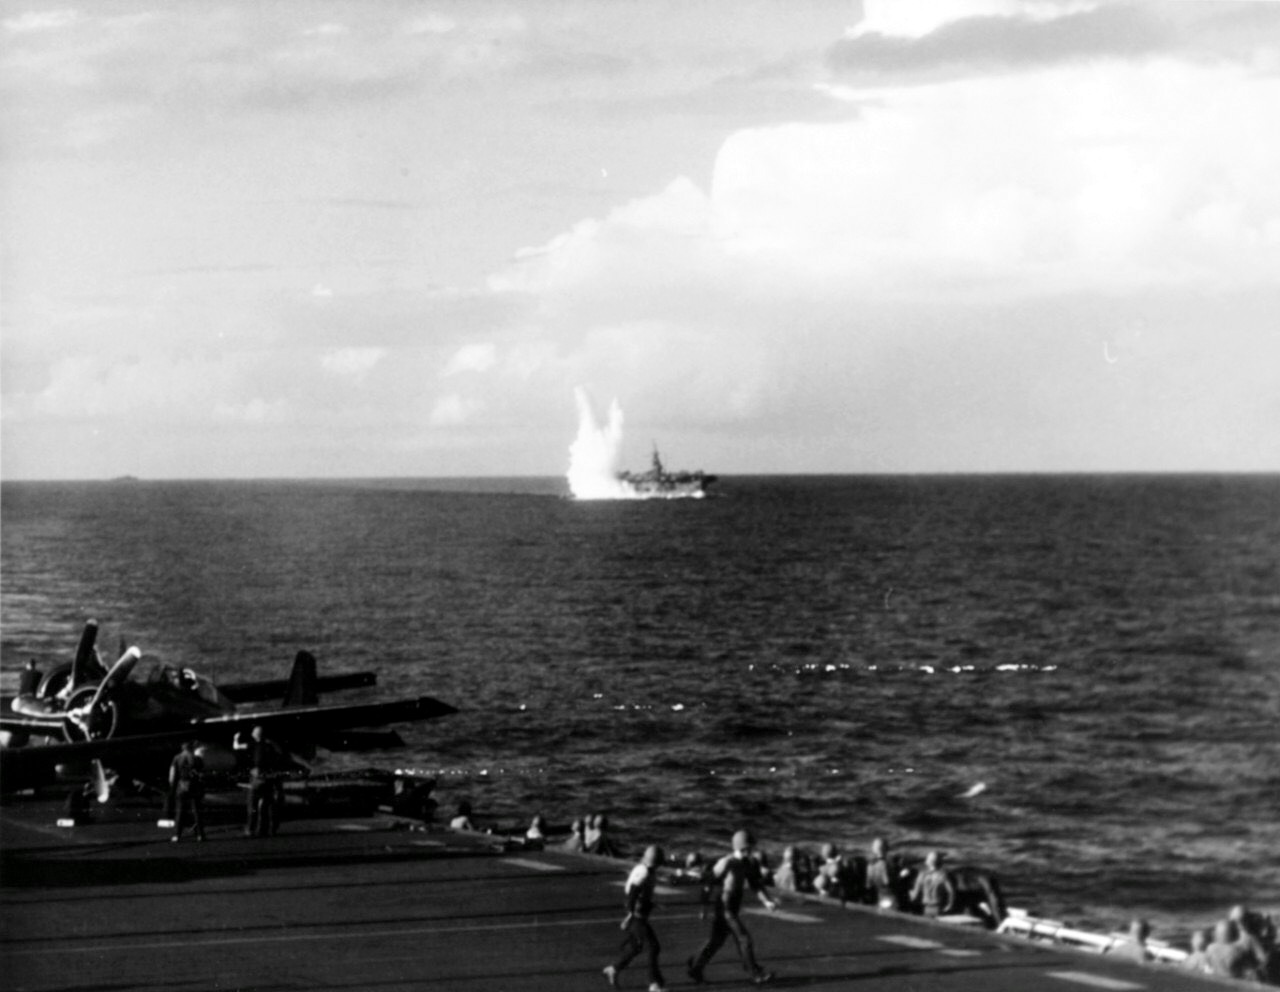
(640, 935)
(29, 679)
(266, 766)
(186, 784)
(735, 873)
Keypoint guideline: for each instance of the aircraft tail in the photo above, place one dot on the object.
(302, 689)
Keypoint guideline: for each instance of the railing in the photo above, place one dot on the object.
(1019, 924)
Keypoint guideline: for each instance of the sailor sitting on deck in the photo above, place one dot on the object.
(1258, 933)
(1229, 957)
(836, 877)
(1134, 947)
(598, 839)
(787, 877)
(576, 842)
(462, 819)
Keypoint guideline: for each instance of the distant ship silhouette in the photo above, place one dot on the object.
(658, 482)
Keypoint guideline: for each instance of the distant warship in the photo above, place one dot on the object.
(658, 482)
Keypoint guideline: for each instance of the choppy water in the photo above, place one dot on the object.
(822, 658)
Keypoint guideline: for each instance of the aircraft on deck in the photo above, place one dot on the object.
(89, 713)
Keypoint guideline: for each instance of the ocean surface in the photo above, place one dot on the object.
(821, 658)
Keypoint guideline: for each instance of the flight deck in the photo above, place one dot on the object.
(367, 903)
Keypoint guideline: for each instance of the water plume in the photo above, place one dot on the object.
(594, 454)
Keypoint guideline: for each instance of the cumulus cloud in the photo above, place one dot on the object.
(33, 20)
(351, 362)
(453, 410)
(936, 272)
(1011, 224)
(479, 357)
(1116, 178)
(254, 411)
(88, 388)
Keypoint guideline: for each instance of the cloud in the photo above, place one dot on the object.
(997, 35)
(935, 269)
(1120, 177)
(194, 59)
(431, 24)
(1114, 179)
(453, 410)
(942, 275)
(351, 362)
(255, 411)
(89, 388)
(327, 30)
(478, 357)
(32, 20)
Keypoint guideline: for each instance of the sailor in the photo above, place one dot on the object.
(186, 785)
(835, 877)
(698, 872)
(576, 842)
(787, 877)
(884, 877)
(29, 679)
(462, 819)
(1227, 957)
(1195, 960)
(598, 840)
(933, 888)
(592, 828)
(734, 873)
(266, 765)
(1134, 947)
(639, 932)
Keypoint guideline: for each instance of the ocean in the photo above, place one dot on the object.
(1071, 680)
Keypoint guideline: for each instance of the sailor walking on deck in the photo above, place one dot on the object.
(640, 935)
(734, 873)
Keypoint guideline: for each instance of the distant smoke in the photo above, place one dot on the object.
(594, 454)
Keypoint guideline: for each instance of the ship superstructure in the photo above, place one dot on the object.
(657, 482)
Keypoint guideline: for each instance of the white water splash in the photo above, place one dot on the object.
(594, 454)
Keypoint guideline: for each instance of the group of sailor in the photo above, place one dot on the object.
(267, 765)
(724, 884)
(1243, 945)
(885, 879)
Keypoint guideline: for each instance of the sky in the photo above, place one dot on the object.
(347, 239)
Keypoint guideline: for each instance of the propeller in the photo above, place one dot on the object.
(102, 782)
(91, 713)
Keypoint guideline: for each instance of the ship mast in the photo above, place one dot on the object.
(657, 462)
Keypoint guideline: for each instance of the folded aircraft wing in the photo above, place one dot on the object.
(310, 720)
(274, 689)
